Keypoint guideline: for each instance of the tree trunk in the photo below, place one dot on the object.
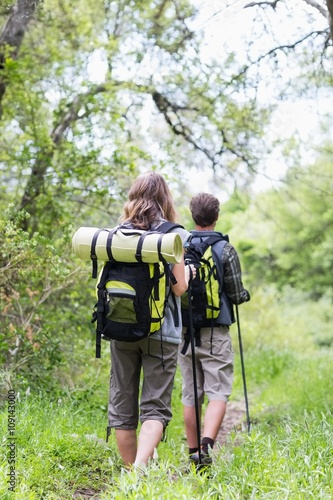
(330, 10)
(36, 182)
(12, 35)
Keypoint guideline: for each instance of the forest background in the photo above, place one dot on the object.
(216, 96)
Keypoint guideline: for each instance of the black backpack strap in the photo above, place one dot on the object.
(211, 240)
(176, 319)
(213, 237)
(166, 227)
(109, 243)
(187, 339)
(93, 255)
(108, 248)
(98, 313)
(167, 269)
(138, 253)
(217, 257)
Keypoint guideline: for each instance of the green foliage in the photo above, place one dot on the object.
(285, 235)
(90, 102)
(306, 385)
(84, 101)
(31, 272)
(286, 345)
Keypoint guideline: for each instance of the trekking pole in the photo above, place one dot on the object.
(196, 401)
(243, 372)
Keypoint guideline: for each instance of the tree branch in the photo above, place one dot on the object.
(12, 35)
(318, 6)
(72, 113)
(330, 10)
(259, 4)
(178, 128)
(327, 13)
(274, 50)
(170, 112)
(43, 160)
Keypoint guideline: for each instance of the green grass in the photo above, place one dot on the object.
(58, 449)
(294, 461)
(61, 449)
(61, 445)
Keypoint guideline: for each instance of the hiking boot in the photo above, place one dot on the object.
(205, 459)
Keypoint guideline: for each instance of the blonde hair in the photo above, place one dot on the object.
(149, 200)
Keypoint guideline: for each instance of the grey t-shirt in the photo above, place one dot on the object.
(169, 331)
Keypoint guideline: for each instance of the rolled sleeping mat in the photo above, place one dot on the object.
(124, 245)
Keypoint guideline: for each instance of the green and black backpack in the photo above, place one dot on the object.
(206, 287)
(131, 297)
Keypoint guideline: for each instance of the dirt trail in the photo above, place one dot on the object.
(234, 418)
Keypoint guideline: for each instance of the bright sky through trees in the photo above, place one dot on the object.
(227, 25)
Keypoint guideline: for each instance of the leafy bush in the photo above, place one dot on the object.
(33, 273)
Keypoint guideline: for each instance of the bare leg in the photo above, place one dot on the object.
(150, 435)
(126, 441)
(191, 425)
(214, 416)
(213, 419)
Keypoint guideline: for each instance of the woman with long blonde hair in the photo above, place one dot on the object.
(149, 204)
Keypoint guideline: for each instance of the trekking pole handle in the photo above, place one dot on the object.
(191, 270)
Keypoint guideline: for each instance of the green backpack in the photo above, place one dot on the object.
(206, 289)
(131, 297)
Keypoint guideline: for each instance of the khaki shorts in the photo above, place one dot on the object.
(127, 361)
(214, 367)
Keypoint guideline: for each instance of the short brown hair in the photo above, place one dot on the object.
(205, 209)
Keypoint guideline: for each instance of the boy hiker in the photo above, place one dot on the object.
(213, 351)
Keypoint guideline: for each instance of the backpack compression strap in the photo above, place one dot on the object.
(93, 255)
(138, 253)
(163, 228)
(99, 310)
(109, 244)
